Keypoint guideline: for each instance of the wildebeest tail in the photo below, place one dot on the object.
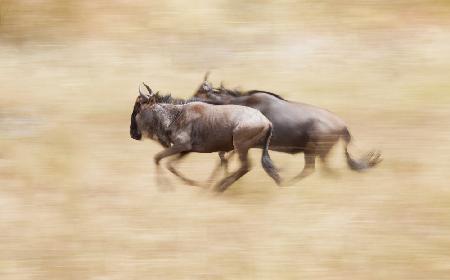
(266, 161)
(370, 160)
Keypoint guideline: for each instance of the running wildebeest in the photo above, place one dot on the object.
(188, 126)
(298, 127)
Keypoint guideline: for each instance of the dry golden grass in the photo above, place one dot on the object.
(78, 198)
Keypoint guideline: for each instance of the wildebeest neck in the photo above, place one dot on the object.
(164, 115)
(168, 99)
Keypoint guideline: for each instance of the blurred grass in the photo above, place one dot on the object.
(78, 198)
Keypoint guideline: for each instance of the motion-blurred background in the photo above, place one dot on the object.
(78, 198)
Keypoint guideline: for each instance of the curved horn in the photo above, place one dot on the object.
(145, 91)
(150, 91)
(206, 76)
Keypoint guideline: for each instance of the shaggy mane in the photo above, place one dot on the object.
(237, 93)
(168, 99)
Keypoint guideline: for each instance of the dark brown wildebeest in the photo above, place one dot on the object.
(298, 127)
(184, 126)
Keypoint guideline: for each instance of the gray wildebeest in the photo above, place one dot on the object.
(188, 126)
(298, 127)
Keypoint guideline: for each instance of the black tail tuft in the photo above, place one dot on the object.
(266, 161)
(370, 160)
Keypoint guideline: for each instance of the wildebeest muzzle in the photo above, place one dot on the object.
(135, 134)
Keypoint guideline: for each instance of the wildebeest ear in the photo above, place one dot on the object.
(145, 91)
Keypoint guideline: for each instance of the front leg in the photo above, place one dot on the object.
(175, 149)
(171, 167)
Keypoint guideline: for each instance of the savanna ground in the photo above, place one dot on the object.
(78, 198)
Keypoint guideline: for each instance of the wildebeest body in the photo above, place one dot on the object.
(298, 127)
(203, 128)
(311, 121)
(203, 125)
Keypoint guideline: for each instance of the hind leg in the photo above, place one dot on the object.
(324, 151)
(222, 165)
(243, 169)
(310, 167)
(224, 158)
(243, 140)
(310, 162)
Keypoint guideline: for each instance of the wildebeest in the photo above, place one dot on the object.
(298, 127)
(184, 126)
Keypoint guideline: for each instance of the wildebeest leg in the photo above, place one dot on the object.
(171, 168)
(223, 164)
(310, 165)
(213, 174)
(224, 159)
(175, 149)
(243, 169)
(243, 140)
(323, 151)
(162, 182)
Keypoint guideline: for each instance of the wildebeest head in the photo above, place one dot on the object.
(145, 98)
(206, 92)
(205, 88)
